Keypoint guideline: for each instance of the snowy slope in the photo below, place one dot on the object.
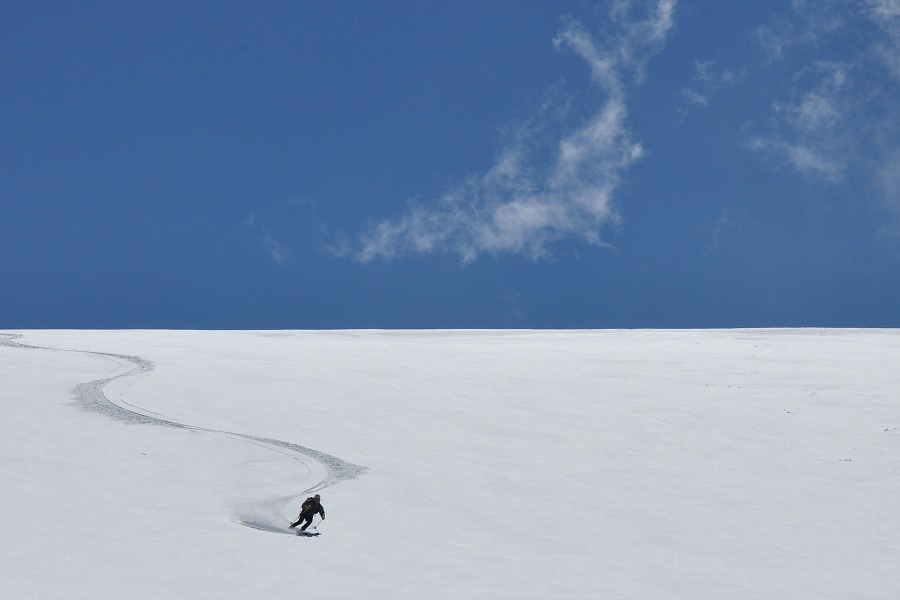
(469, 464)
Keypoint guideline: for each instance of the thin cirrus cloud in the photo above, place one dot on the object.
(522, 204)
(810, 127)
(277, 251)
(707, 82)
(838, 113)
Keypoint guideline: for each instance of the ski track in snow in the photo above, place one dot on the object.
(267, 515)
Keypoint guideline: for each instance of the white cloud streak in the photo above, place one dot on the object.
(809, 127)
(277, 251)
(886, 13)
(818, 18)
(707, 82)
(280, 253)
(523, 204)
(838, 115)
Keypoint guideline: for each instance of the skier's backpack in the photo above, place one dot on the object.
(308, 504)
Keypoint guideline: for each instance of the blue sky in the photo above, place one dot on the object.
(567, 164)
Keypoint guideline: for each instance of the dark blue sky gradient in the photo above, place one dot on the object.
(195, 165)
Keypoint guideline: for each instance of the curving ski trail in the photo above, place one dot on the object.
(267, 515)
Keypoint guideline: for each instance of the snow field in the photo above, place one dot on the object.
(595, 464)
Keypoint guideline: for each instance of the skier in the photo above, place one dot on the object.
(308, 510)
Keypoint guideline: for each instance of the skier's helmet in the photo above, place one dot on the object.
(317, 496)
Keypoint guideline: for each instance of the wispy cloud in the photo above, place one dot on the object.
(818, 18)
(729, 221)
(522, 203)
(277, 251)
(809, 127)
(707, 82)
(838, 113)
(886, 13)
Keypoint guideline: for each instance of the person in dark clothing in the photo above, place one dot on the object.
(310, 507)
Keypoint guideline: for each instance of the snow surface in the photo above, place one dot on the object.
(730, 464)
